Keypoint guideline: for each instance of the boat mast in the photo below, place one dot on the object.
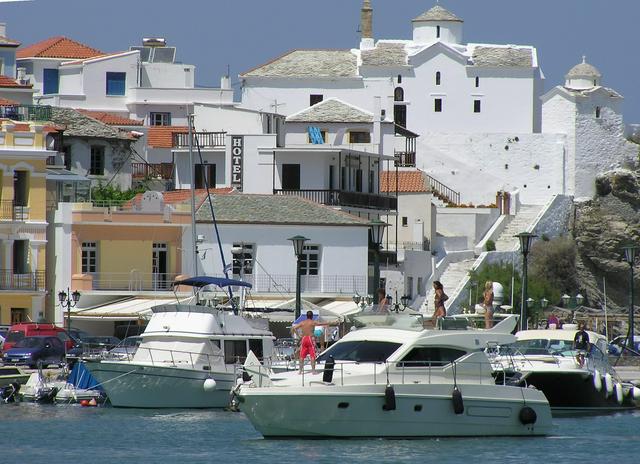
(193, 197)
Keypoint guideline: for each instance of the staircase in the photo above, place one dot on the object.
(450, 279)
(521, 222)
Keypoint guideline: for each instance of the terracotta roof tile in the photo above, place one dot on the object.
(8, 82)
(58, 47)
(408, 182)
(162, 136)
(111, 119)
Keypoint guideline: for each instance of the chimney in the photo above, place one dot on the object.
(3, 29)
(225, 83)
(366, 27)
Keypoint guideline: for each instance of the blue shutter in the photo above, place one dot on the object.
(50, 81)
(116, 83)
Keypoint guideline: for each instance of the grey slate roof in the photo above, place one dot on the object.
(79, 125)
(484, 56)
(438, 13)
(385, 54)
(309, 63)
(583, 69)
(331, 110)
(273, 209)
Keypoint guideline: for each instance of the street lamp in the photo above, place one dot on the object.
(362, 301)
(405, 301)
(376, 232)
(565, 300)
(68, 300)
(630, 257)
(526, 238)
(298, 248)
(544, 303)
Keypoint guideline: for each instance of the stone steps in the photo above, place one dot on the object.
(521, 222)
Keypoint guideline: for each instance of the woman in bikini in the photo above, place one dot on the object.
(440, 298)
(487, 302)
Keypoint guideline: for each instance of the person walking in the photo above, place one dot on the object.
(438, 303)
(487, 302)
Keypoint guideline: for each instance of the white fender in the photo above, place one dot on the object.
(608, 383)
(209, 384)
(597, 380)
(635, 393)
(619, 396)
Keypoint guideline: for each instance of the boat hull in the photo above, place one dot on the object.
(421, 411)
(130, 385)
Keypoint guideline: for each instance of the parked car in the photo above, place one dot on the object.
(615, 346)
(126, 349)
(32, 350)
(3, 334)
(33, 329)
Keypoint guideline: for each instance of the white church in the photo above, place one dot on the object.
(484, 123)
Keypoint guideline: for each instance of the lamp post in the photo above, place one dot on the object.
(630, 257)
(298, 248)
(376, 231)
(361, 301)
(68, 300)
(526, 238)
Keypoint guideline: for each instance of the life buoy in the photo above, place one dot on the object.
(456, 399)
(619, 396)
(527, 415)
(389, 399)
(608, 383)
(597, 380)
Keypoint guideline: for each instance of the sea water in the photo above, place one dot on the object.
(72, 434)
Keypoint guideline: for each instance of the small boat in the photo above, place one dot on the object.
(40, 389)
(395, 383)
(12, 374)
(547, 360)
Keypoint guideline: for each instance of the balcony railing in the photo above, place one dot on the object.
(442, 191)
(155, 170)
(12, 212)
(342, 198)
(33, 281)
(405, 159)
(133, 281)
(201, 139)
(26, 112)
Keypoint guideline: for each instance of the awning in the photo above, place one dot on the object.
(128, 310)
(342, 307)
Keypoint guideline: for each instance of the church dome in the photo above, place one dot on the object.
(438, 13)
(583, 76)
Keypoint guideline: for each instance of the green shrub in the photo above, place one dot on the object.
(490, 245)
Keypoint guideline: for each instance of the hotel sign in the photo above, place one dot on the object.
(237, 152)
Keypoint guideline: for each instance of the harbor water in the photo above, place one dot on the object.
(63, 434)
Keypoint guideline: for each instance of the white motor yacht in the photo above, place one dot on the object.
(187, 358)
(547, 360)
(387, 382)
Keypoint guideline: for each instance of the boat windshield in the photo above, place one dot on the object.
(360, 351)
(542, 346)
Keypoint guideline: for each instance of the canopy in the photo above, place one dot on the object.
(203, 281)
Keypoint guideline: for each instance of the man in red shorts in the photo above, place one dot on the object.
(308, 345)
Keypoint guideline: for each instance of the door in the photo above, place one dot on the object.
(205, 176)
(290, 177)
(159, 266)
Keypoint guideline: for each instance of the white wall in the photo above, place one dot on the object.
(472, 223)
(167, 75)
(114, 152)
(421, 216)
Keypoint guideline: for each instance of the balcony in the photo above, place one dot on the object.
(132, 281)
(343, 198)
(152, 170)
(26, 112)
(200, 139)
(30, 281)
(404, 159)
(9, 211)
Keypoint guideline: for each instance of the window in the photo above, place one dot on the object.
(66, 154)
(405, 221)
(437, 105)
(20, 256)
(255, 345)
(332, 180)
(477, 81)
(359, 137)
(360, 351)
(314, 99)
(50, 81)
(358, 180)
(438, 77)
(371, 180)
(476, 106)
(116, 83)
(437, 32)
(424, 356)
(290, 177)
(399, 79)
(243, 261)
(160, 119)
(398, 94)
(597, 112)
(400, 115)
(235, 351)
(316, 135)
(343, 178)
(89, 257)
(20, 188)
(310, 261)
(97, 161)
(205, 176)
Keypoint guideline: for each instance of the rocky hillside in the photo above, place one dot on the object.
(601, 227)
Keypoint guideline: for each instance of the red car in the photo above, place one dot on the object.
(32, 329)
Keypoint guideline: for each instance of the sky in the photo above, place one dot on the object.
(240, 34)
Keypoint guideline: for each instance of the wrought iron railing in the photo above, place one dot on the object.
(10, 280)
(147, 170)
(442, 191)
(133, 281)
(26, 112)
(201, 139)
(9, 210)
(343, 198)
(405, 159)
